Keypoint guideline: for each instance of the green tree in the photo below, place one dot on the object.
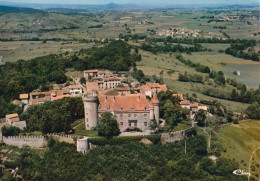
(107, 125)
(82, 80)
(200, 117)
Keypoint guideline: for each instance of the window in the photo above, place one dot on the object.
(135, 124)
(135, 115)
(145, 116)
(87, 125)
(121, 123)
(129, 115)
(129, 124)
(121, 116)
(145, 123)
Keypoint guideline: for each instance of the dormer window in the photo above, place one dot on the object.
(121, 108)
(145, 107)
(132, 107)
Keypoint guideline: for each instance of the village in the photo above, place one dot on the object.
(133, 105)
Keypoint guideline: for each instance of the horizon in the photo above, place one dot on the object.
(142, 2)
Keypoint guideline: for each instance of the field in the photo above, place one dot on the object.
(16, 50)
(239, 141)
(152, 64)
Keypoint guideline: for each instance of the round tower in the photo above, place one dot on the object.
(156, 102)
(91, 110)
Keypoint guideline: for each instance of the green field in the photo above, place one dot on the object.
(239, 141)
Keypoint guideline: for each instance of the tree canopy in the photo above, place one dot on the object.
(107, 125)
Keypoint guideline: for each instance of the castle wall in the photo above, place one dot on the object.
(66, 138)
(173, 136)
(20, 141)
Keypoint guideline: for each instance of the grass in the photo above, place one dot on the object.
(80, 129)
(182, 126)
(152, 64)
(77, 122)
(240, 141)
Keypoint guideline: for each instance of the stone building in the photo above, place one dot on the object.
(131, 110)
(14, 120)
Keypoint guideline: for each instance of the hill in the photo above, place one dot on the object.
(9, 9)
(239, 142)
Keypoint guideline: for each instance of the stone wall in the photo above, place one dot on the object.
(173, 136)
(66, 138)
(20, 141)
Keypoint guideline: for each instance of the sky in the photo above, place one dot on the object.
(137, 1)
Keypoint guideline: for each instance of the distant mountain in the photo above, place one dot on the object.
(9, 9)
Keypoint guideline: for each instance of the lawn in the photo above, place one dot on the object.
(80, 129)
(240, 141)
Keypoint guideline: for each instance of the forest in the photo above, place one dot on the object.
(25, 76)
(131, 161)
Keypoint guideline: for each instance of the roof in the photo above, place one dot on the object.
(40, 93)
(60, 97)
(23, 96)
(194, 105)
(90, 71)
(178, 95)
(205, 108)
(78, 86)
(36, 101)
(15, 119)
(123, 88)
(12, 115)
(91, 86)
(134, 102)
(185, 103)
(155, 100)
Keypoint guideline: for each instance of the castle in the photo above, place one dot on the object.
(130, 110)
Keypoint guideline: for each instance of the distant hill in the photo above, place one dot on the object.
(9, 9)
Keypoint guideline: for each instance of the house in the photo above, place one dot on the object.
(106, 83)
(185, 104)
(74, 89)
(150, 89)
(14, 120)
(24, 98)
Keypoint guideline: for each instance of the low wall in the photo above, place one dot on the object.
(173, 136)
(20, 141)
(66, 138)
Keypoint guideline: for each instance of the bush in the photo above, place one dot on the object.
(11, 131)
(123, 140)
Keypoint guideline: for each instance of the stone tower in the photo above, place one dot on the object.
(156, 102)
(91, 109)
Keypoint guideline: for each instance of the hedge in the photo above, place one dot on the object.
(101, 141)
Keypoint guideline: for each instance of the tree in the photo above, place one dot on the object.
(107, 125)
(82, 80)
(11, 131)
(200, 117)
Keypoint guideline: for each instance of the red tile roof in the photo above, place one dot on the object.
(90, 71)
(185, 103)
(60, 97)
(135, 102)
(194, 105)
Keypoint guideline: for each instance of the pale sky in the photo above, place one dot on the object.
(137, 1)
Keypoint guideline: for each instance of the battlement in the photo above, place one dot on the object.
(61, 137)
(89, 97)
(20, 141)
